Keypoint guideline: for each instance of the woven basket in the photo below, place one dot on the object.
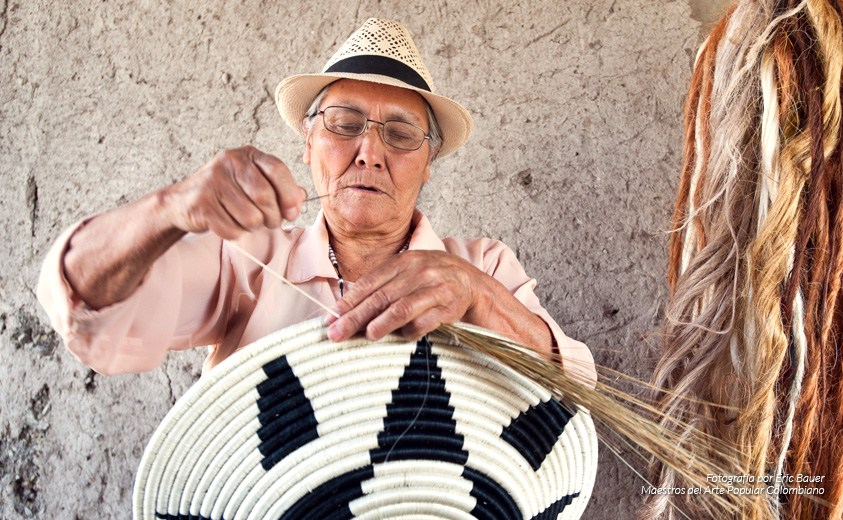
(297, 427)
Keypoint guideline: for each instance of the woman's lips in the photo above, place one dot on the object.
(367, 189)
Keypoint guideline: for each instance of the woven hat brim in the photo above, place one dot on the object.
(294, 95)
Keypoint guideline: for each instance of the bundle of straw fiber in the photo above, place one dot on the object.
(296, 426)
(756, 259)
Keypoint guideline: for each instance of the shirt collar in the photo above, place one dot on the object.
(424, 238)
(309, 256)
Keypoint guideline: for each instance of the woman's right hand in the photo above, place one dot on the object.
(237, 191)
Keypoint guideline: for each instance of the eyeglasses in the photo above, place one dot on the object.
(351, 123)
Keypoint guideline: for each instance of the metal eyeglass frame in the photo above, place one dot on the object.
(366, 126)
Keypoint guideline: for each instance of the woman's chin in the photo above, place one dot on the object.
(362, 217)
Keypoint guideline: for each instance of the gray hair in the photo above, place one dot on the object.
(434, 131)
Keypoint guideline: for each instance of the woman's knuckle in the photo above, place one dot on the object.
(262, 199)
(380, 299)
(225, 232)
(453, 312)
(376, 330)
(224, 158)
(245, 173)
(353, 322)
(253, 218)
(419, 327)
(209, 172)
(402, 309)
(218, 177)
(429, 273)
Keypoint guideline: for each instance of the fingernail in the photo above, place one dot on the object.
(334, 333)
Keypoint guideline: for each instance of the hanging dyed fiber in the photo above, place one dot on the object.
(756, 259)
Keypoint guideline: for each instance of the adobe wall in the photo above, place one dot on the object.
(573, 163)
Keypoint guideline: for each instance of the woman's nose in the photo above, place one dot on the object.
(372, 148)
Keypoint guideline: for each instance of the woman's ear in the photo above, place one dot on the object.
(429, 162)
(306, 155)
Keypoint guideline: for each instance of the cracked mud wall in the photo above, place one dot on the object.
(573, 163)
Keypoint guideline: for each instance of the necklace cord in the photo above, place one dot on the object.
(333, 258)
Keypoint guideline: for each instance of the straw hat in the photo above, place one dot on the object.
(381, 52)
(296, 426)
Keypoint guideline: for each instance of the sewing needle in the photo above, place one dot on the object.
(317, 197)
(323, 196)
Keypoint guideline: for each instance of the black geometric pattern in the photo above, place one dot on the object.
(330, 500)
(419, 425)
(287, 418)
(557, 507)
(536, 431)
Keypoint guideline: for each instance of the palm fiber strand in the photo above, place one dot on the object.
(756, 260)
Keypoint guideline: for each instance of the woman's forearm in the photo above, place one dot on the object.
(497, 309)
(107, 258)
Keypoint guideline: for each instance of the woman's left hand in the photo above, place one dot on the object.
(413, 292)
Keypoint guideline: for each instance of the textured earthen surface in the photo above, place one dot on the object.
(573, 163)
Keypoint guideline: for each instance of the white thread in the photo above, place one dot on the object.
(421, 406)
(274, 273)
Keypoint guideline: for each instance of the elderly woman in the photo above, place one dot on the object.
(126, 286)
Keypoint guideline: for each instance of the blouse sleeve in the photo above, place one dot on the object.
(176, 306)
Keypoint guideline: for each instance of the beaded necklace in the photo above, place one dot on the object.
(336, 265)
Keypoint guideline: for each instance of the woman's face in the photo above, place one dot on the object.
(373, 186)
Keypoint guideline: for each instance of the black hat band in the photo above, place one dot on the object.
(381, 65)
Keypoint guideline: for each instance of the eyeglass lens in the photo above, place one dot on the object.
(350, 123)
